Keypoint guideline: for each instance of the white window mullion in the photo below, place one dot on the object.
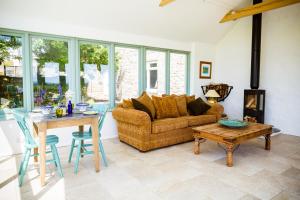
(27, 73)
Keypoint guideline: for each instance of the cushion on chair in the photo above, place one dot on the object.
(168, 124)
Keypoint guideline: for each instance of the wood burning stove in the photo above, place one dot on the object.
(254, 99)
(254, 105)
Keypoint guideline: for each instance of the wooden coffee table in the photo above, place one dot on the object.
(231, 137)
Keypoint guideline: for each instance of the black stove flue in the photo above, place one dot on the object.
(255, 53)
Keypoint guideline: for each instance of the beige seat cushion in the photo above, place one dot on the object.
(200, 119)
(168, 124)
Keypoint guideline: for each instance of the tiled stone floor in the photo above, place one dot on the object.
(168, 173)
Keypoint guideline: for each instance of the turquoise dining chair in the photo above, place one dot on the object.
(30, 143)
(79, 139)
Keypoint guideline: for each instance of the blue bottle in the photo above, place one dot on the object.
(70, 107)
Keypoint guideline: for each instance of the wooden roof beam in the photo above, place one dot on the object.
(257, 8)
(165, 2)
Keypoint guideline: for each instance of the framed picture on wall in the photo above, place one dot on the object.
(205, 70)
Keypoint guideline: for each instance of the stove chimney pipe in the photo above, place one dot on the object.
(255, 52)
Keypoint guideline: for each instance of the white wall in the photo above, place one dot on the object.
(59, 28)
(280, 66)
(201, 52)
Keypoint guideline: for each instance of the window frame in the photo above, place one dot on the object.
(187, 70)
(50, 37)
(26, 95)
(77, 70)
(140, 70)
(74, 60)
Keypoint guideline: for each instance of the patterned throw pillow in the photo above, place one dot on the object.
(127, 103)
(147, 101)
(198, 107)
(181, 104)
(139, 106)
(165, 107)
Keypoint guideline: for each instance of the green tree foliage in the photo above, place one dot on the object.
(45, 50)
(93, 54)
(8, 43)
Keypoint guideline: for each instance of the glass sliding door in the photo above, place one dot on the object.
(94, 73)
(11, 72)
(156, 72)
(178, 65)
(126, 72)
(50, 70)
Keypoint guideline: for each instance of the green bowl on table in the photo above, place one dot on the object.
(233, 123)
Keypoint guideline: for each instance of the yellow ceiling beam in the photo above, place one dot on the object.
(165, 2)
(257, 8)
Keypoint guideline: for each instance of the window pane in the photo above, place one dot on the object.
(50, 69)
(156, 65)
(127, 67)
(94, 73)
(11, 72)
(153, 79)
(177, 73)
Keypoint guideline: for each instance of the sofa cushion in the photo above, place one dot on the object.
(181, 104)
(200, 119)
(146, 100)
(165, 107)
(139, 106)
(190, 98)
(127, 103)
(198, 107)
(168, 124)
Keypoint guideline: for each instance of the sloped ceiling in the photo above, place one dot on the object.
(183, 20)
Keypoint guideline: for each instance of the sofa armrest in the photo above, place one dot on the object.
(216, 109)
(131, 116)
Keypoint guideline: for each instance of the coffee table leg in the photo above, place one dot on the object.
(229, 151)
(197, 146)
(268, 142)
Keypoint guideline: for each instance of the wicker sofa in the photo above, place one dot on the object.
(136, 129)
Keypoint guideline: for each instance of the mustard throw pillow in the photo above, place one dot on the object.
(181, 104)
(127, 103)
(165, 107)
(189, 99)
(147, 101)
